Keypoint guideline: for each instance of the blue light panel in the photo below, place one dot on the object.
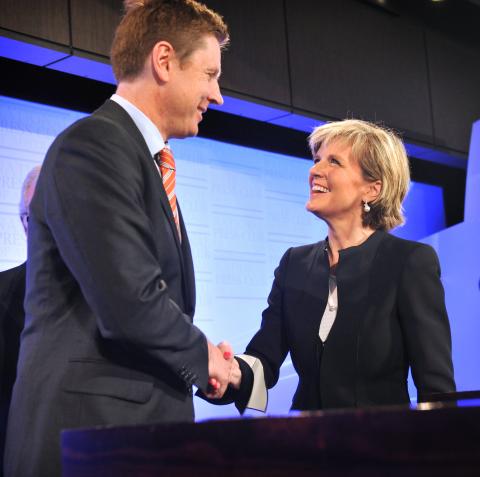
(76, 65)
(247, 109)
(28, 53)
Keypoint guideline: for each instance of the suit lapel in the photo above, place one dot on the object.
(187, 269)
(314, 297)
(183, 247)
(115, 112)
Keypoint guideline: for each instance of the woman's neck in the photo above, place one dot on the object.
(340, 238)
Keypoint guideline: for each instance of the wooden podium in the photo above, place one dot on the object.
(433, 439)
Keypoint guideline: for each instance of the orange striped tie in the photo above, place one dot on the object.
(166, 164)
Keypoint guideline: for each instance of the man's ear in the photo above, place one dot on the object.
(161, 60)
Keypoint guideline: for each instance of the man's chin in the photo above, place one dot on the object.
(190, 132)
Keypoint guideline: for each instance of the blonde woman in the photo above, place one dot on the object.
(361, 307)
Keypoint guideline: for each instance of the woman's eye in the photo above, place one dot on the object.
(334, 161)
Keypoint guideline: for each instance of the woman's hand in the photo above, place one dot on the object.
(235, 375)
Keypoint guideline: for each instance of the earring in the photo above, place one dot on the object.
(366, 207)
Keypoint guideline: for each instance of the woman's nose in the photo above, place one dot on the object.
(316, 169)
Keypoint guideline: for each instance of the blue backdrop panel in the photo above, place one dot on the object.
(457, 248)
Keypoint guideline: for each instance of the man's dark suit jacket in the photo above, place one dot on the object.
(391, 315)
(12, 317)
(110, 297)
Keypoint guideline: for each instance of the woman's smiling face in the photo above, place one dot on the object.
(337, 185)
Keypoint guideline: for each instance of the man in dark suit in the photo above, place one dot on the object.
(12, 314)
(108, 337)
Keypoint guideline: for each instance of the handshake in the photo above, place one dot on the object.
(223, 370)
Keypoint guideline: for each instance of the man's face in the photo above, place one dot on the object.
(193, 86)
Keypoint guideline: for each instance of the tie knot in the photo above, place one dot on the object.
(166, 159)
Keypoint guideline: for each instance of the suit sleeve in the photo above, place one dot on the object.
(425, 323)
(270, 343)
(97, 215)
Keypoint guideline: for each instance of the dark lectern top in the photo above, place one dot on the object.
(435, 441)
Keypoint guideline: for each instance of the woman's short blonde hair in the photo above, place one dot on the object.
(381, 156)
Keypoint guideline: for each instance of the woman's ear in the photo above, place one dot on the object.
(374, 189)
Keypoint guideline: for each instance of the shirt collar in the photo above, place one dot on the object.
(149, 131)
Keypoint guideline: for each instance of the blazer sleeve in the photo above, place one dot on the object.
(425, 322)
(94, 202)
(241, 396)
(270, 343)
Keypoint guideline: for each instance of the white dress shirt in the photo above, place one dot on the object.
(149, 131)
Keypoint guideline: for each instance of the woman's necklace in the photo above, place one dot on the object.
(331, 258)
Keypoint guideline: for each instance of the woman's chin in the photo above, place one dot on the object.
(314, 210)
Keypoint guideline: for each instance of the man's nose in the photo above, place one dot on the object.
(216, 95)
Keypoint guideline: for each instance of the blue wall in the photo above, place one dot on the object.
(460, 259)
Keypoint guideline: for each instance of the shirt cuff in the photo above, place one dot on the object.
(259, 395)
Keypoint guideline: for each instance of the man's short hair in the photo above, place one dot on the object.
(29, 182)
(183, 23)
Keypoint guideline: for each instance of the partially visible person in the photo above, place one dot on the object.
(12, 314)
(109, 337)
(359, 309)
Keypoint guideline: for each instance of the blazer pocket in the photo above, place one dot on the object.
(104, 379)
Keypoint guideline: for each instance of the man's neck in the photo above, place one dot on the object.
(139, 95)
